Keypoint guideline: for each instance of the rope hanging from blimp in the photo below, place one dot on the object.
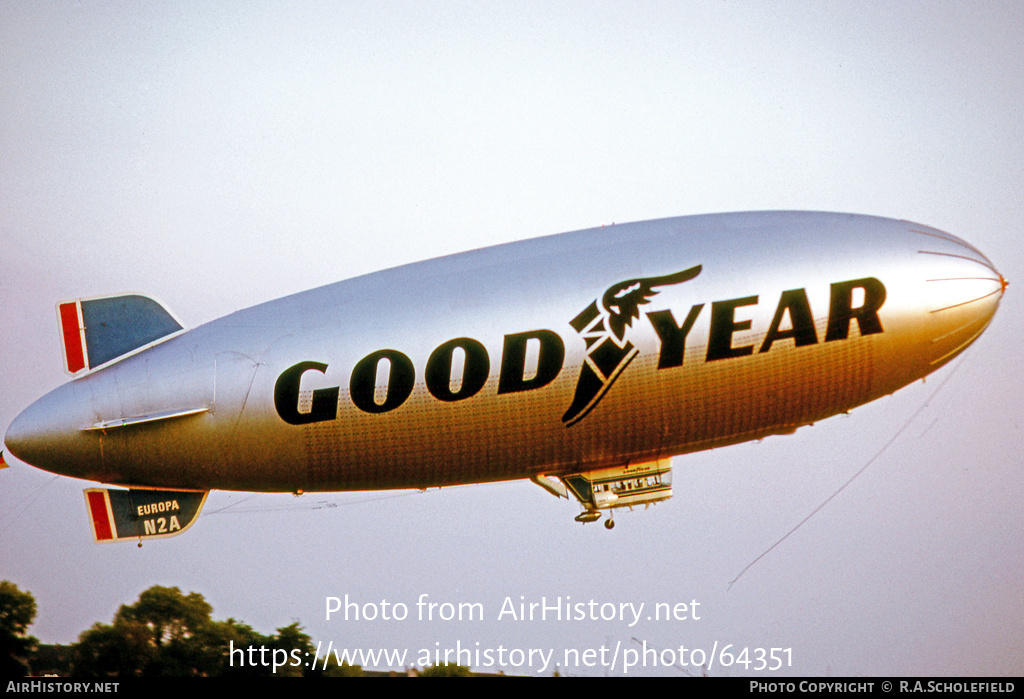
(852, 478)
(24, 503)
(318, 505)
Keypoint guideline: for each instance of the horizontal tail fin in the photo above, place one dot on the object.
(96, 331)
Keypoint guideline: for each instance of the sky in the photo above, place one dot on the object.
(219, 155)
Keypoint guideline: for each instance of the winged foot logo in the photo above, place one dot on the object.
(603, 327)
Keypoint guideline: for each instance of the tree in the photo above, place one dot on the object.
(343, 670)
(173, 621)
(218, 638)
(162, 635)
(124, 649)
(298, 648)
(17, 611)
(170, 615)
(446, 670)
(170, 634)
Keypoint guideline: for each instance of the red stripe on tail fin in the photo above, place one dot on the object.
(74, 353)
(98, 513)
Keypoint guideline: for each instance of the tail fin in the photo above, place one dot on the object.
(130, 515)
(96, 331)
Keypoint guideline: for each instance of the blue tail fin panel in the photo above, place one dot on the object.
(111, 327)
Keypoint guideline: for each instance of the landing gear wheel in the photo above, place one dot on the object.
(609, 524)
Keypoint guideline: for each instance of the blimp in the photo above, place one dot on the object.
(584, 361)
